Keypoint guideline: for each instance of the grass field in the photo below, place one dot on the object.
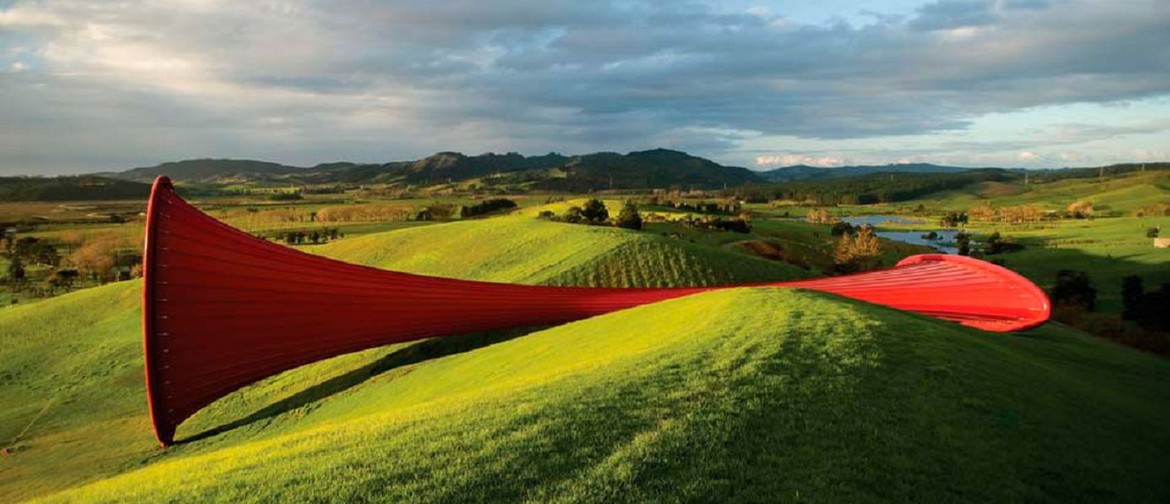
(1113, 196)
(756, 393)
(746, 394)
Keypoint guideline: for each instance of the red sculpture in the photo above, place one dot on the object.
(222, 309)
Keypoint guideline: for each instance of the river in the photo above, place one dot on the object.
(944, 243)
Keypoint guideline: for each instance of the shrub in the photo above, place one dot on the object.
(842, 228)
(574, 215)
(999, 245)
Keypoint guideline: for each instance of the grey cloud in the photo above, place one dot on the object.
(1026, 4)
(306, 82)
(945, 14)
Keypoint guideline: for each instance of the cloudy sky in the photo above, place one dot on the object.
(88, 85)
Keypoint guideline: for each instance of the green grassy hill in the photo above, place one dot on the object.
(527, 250)
(1119, 195)
(747, 394)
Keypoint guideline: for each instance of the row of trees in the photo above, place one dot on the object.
(595, 213)
(725, 205)
(1019, 214)
(1143, 323)
(740, 224)
(324, 235)
(38, 266)
(995, 244)
(486, 207)
(953, 219)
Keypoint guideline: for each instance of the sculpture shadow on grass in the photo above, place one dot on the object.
(419, 352)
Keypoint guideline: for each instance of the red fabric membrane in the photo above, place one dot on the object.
(223, 309)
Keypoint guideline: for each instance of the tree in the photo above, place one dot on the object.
(1132, 295)
(1074, 288)
(964, 242)
(1154, 315)
(16, 270)
(95, 258)
(1080, 209)
(857, 252)
(629, 217)
(595, 212)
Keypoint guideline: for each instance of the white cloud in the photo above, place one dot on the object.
(777, 160)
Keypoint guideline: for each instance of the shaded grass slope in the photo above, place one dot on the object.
(746, 394)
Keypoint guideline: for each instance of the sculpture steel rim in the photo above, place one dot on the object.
(223, 309)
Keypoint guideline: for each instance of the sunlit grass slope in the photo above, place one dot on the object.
(71, 393)
(527, 250)
(747, 394)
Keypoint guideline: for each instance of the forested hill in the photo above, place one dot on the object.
(876, 188)
(209, 170)
(805, 172)
(602, 170)
(512, 172)
(70, 188)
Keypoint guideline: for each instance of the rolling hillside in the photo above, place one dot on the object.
(1119, 195)
(750, 394)
(527, 250)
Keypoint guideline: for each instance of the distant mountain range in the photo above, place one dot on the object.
(601, 170)
(656, 168)
(805, 172)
